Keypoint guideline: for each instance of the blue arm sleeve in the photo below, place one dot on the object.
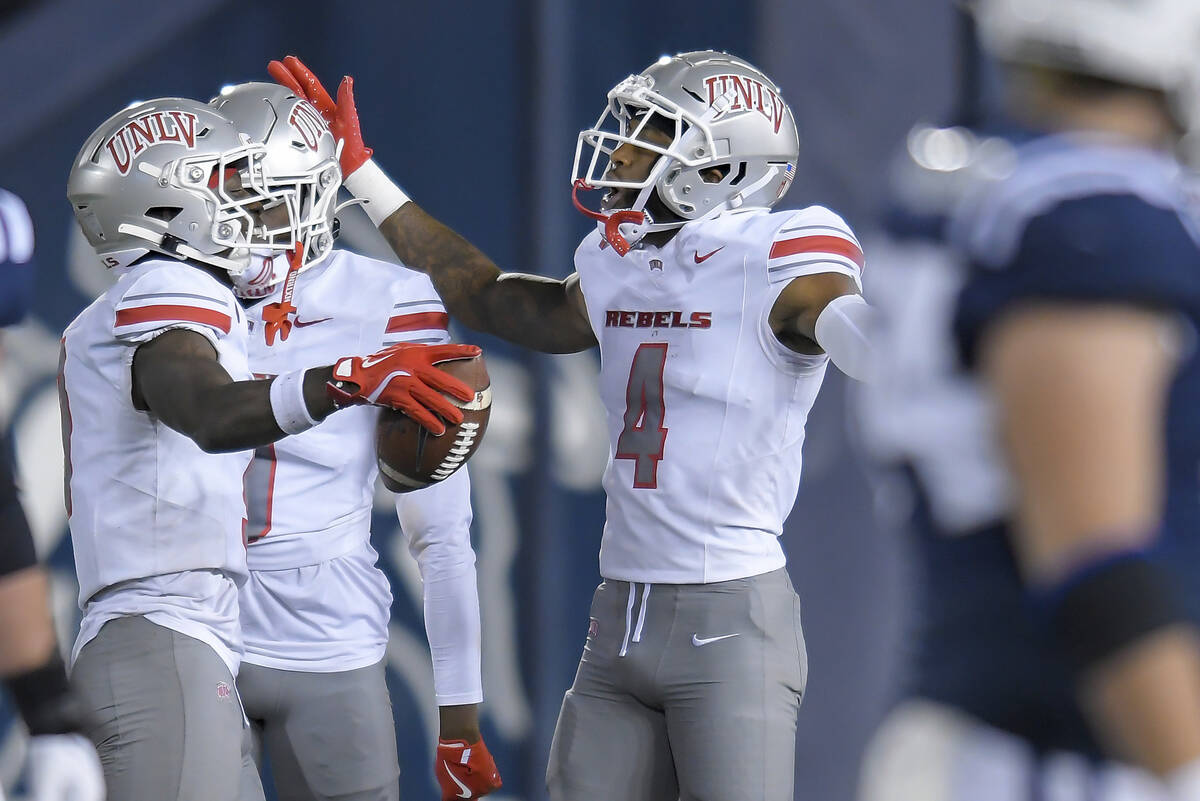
(1112, 249)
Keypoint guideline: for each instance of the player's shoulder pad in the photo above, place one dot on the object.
(164, 293)
(1094, 248)
(1050, 174)
(811, 240)
(16, 229)
(1121, 240)
(417, 313)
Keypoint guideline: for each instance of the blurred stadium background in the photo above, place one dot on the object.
(473, 108)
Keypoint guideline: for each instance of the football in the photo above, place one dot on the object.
(410, 458)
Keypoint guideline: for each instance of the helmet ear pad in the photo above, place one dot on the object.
(681, 184)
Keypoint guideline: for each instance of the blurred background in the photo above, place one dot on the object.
(474, 108)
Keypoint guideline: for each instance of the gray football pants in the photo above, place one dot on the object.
(167, 722)
(685, 691)
(328, 735)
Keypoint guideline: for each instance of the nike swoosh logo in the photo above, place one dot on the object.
(306, 323)
(466, 791)
(698, 640)
(371, 361)
(700, 258)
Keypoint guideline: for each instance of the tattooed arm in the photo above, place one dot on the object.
(539, 313)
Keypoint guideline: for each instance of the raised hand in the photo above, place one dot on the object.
(342, 116)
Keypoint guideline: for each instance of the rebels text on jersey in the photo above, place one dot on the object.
(706, 408)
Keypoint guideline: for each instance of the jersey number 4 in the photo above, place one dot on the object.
(644, 436)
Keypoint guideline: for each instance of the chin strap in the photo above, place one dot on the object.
(277, 316)
(177, 248)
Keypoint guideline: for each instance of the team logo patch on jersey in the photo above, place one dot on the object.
(656, 264)
(593, 627)
(747, 94)
(144, 132)
(224, 691)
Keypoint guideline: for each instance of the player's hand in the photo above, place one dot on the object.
(342, 116)
(465, 770)
(405, 377)
(64, 767)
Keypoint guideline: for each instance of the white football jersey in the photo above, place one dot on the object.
(144, 501)
(706, 408)
(309, 496)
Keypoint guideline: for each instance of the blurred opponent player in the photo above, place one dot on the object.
(160, 417)
(315, 609)
(1057, 512)
(62, 762)
(716, 319)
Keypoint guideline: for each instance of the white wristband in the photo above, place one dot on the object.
(381, 194)
(287, 403)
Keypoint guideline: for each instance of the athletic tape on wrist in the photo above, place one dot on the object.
(44, 698)
(380, 192)
(1108, 604)
(287, 403)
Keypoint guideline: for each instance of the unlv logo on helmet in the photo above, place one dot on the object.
(308, 123)
(747, 93)
(148, 130)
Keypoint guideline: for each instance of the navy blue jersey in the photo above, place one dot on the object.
(16, 259)
(1055, 220)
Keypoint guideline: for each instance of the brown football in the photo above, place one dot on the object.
(411, 458)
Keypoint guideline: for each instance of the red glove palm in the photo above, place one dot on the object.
(465, 770)
(342, 116)
(404, 377)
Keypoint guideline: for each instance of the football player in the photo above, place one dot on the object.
(160, 416)
(1057, 521)
(315, 609)
(716, 319)
(62, 762)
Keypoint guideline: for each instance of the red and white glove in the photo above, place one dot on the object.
(465, 770)
(405, 377)
(341, 116)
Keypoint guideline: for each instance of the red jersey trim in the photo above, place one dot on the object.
(418, 321)
(818, 244)
(171, 313)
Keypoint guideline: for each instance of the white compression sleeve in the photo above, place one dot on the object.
(437, 522)
(845, 330)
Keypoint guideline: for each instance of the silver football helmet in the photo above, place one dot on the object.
(170, 176)
(300, 171)
(722, 113)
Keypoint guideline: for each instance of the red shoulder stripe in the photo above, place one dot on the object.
(189, 314)
(818, 244)
(418, 321)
